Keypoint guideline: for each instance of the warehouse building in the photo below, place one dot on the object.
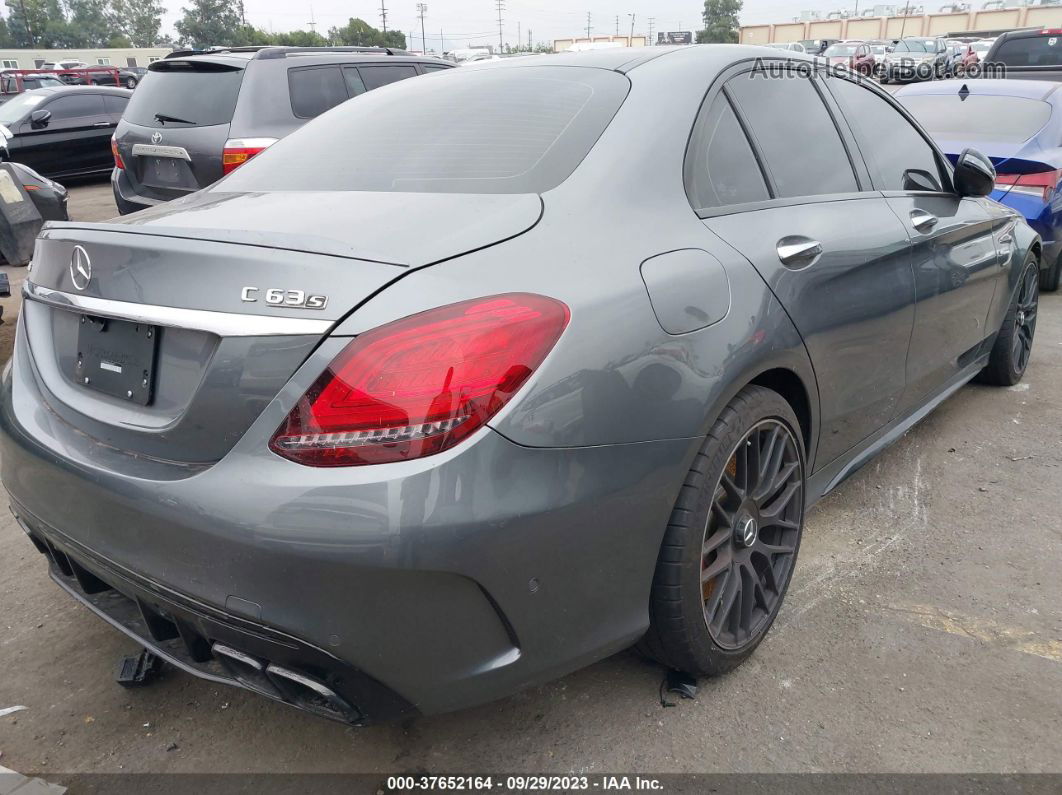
(118, 56)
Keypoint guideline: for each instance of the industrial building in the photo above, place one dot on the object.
(118, 56)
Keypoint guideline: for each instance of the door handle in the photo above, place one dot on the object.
(922, 221)
(102, 124)
(798, 250)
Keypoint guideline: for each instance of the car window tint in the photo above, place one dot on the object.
(75, 107)
(1030, 51)
(355, 85)
(889, 143)
(721, 167)
(115, 105)
(376, 76)
(315, 90)
(492, 131)
(198, 93)
(794, 133)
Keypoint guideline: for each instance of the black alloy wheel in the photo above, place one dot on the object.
(1025, 318)
(752, 533)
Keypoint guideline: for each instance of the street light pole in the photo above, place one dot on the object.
(630, 39)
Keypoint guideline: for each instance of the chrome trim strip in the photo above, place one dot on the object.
(224, 324)
(156, 150)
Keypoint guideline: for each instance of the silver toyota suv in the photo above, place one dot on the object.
(196, 116)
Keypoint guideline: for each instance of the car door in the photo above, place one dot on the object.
(953, 251)
(826, 243)
(75, 138)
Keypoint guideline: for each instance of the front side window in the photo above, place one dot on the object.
(721, 168)
(794, 134)
(890, 144)
(75, 107)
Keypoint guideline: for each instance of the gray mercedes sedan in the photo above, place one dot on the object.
(482, 377)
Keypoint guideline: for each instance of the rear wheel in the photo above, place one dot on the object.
(1013, 346)
(1049, 278)
(731, 544)
(130, 83)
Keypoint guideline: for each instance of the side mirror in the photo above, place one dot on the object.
(40, 118)
(917, 179)
(974, 174)
(890, 49)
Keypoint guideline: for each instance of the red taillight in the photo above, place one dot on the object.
(238, 151)
(420, 385)
(1041, 185)
(118, 163)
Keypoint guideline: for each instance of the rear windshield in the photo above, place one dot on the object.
(509, 130)
(185, 94)
(1030, 51)
(979, 118)
(840, 49)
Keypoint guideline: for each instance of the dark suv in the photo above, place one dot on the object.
(196, 117)
(1027, 54)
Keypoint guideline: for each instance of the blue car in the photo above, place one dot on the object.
(1018, 124)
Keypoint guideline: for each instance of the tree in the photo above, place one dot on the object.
(90, 22)
(208, 23)
(720, 21)
(7, 41)
(138, 20)
(359, 33)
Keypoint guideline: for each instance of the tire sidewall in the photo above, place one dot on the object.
(767, 405)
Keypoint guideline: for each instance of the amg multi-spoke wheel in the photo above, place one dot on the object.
(751, 535)
(1013, 346)
(731, 545)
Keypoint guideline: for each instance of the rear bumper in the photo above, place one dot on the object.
(125, 196)
(427, 585)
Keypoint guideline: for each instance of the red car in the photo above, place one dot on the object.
(963, 58)
(865, 59)
(842, 52)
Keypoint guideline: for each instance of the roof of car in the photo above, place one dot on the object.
(1031, 89)
(242, 57)
(64, 89)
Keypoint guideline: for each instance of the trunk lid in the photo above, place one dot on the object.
(228, 300)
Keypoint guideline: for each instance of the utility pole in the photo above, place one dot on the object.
(500, 4)
(587, 24)
(442, 42)
(422, 9)
(519, 36)
(652, 21)
(906, 11)
(25, 21)
(529, 47)
(383, 16)
(630, 39)
(617, 24)
(311, 23)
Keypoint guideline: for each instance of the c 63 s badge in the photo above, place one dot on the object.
(273, 296)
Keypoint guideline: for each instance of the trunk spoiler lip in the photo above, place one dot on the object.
(304, 244)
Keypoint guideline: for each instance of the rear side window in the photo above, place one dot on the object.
(316, 89)
(378, 76)
(794, 133)
(890, 144)
(186, 94)
(433, 67)
(115, 105)
(514, 130)
(1029, 51)
(721, 169)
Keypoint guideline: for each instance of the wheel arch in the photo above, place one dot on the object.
(790, 386)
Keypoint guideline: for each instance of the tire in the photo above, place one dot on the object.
(707, 566)
(884, 79)
(130, 83)
(1013, 345)
(1049, 278)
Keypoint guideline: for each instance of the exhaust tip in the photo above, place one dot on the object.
(311, 695)
(245, 669)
